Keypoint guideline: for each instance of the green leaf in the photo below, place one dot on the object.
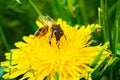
(97, 70)
(2, 71)
(96, 60)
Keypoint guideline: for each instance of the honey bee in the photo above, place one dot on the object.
(41, 31)
(56, 30)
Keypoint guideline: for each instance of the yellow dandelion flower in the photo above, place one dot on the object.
(36, 59)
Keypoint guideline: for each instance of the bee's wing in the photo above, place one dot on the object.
(46, 20)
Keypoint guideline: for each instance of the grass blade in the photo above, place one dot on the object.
(37, 10)
(4, 40)
(96, 60)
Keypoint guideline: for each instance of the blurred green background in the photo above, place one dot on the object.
(17, 19)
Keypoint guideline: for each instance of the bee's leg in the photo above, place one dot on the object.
(58, 44)
(65, 37)
(37, 33)
(49, 39)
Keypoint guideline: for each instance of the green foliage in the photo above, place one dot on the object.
(1, 71)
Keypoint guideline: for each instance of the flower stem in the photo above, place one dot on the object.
(10, 62)
(99, 16)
